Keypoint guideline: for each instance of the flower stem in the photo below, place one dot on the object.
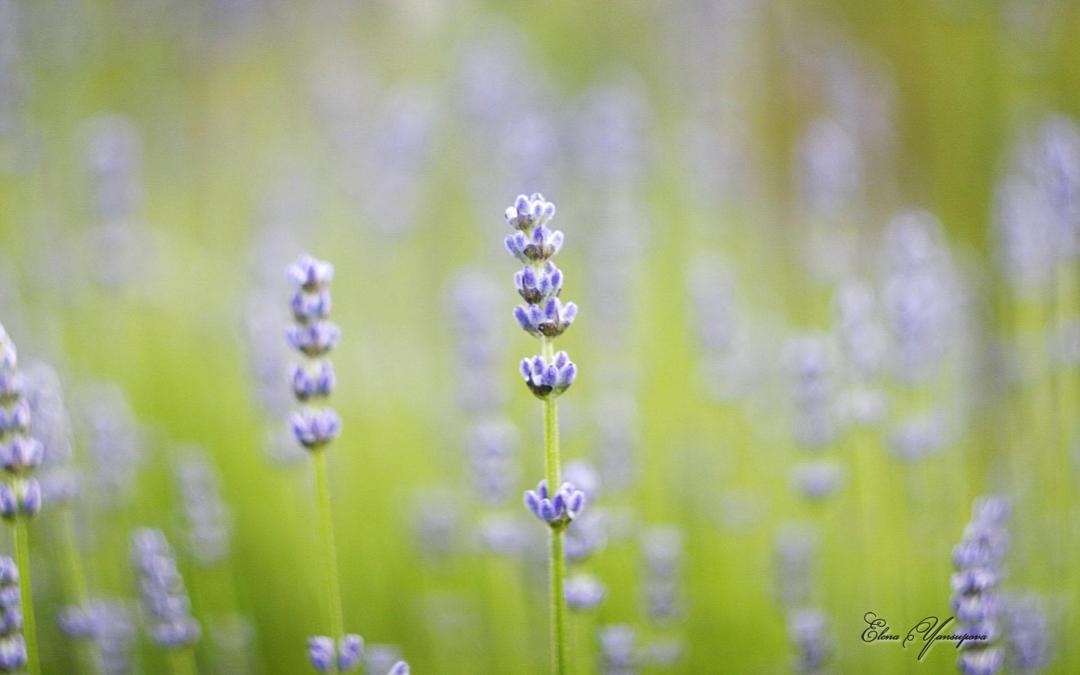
(76, 582)
(558, 558)
(333, 592)
(22, 559)
(182, 661)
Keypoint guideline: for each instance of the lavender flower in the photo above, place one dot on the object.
(13, 654)
(314, 336)
(164, 598)
(663, 549)
(556, 510)
(618, 649)
(52, 428)
(584, 592)
(207, 518)
(1027, 634)
(548, 377)
(20, 453)
(975, 601)
(809, 631)
(819, 479)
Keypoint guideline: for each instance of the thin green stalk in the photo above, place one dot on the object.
(76, 581)
(333, 591)
(182, 661)
(22, 559)
(558, 558)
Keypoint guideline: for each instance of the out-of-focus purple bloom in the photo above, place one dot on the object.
(350, 651)
(399, 668)
(795, 554)
(164, 597)
(558, 509)
(314, 381)
(314, 428)
(809, 630)
(975, 600)
(662, 546)
(584, 592)
(52, 428)
(809, 360)
(818, 479)
(321, 653)
(12, 648)
(618, 648)
(492, 450)
(207, 518)
(1027, 634)
(113, 440)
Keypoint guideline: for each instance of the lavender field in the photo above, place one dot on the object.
(465, 337)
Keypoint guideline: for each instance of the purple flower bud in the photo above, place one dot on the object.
(350, 651)
(30, 497)
(399, 668)
(9, 505)
(546, 380)
(314, 428)
(556, 510)
(537, 287)
(529, 212)
(310, 306)
(314, 339)
(321, 653)
(311, 274)
(21, 453)
(987, 661)
(13, 655)
(315, 381)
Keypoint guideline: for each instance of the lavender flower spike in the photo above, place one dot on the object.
(13, 655)
(164, 596)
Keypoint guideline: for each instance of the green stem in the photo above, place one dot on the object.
(558, 558)
(76, 582)
(182, 661)
(22, 559)
(333, 592)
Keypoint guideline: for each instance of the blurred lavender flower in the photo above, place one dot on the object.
(921, 294)
(662, 546)
(584, 592)
(113, 439)
(164, 597)
(1027, 632)
(207, 518)
(829, 172)
(618, 650)
(492, 450)
(818, 479)
(473, 299)
(20, 453)
(1038, 204)
(975, 601)
(109, 624)
(663, 652)
(52, 428)
(917, 437)
(613, 134)
(381, 658)
(795, 554)
(588, 535)
(809, 360)
(616, 417)
(119, 244)
(809, 629)
(437, 520)
(13, 655)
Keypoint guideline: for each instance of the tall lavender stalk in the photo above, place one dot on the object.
(547, 375)
(20, 495)
(315, 425)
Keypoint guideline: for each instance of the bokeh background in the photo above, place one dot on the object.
(826, 255)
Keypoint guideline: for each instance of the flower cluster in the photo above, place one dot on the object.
(207, 518)
(663, 550)
(809, 629)
(20, 453)
(164, 597)
(13, 654)
(556, 510)
(539, 283)
(975, 602)
(327, 657)
(314, 336)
